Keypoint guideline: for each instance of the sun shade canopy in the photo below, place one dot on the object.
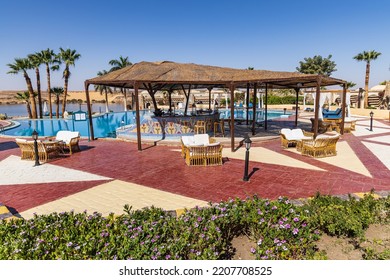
(168, 75)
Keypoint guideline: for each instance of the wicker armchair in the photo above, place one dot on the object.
(28, 152)
(293, 137)
(320, 147)
(204, 155)
(201, 149)
(69, 140)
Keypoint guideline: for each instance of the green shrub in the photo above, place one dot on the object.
(347, 217)
(280, 229)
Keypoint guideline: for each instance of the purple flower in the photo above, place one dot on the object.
(259, 212)
(213, 217)
(253, 250)
(276, 240)
(274, 207)
(167, 257)
(196, 224)
(295, 231)
(260, 241)
(296, 219)
(69, 244)
(199, 219)
(287, 226)
(304, 224)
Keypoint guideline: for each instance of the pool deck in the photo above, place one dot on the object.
(107, 174)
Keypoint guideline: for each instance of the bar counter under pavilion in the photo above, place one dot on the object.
(170, 76)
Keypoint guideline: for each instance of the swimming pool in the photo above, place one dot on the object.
(105, 125)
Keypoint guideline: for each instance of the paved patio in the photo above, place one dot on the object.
(107, 174)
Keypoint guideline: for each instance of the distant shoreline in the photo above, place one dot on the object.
(8, 97)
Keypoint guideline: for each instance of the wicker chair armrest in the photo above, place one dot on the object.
(307, 133)
(308, 142)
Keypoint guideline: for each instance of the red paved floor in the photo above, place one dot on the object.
(163, 168)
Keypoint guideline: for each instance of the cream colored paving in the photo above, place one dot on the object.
(346, 159)
(382, 152)
(112, 196)
(362, 128)
(15, 171)
(264, 155)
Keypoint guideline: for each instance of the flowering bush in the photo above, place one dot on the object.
(280, 229)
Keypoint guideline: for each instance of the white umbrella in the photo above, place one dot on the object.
(45, 110)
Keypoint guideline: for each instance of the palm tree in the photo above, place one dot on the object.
(25, 97)
(117, 64)
(36, 61)
(57, 91)
(68, 57)
(367, 56)
(21, 65)
(49, 58)
(104, 88)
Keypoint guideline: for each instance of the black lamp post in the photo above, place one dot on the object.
(371, 116)
(248, 143)
(35, 137)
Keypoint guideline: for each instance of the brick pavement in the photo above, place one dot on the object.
(162, 168)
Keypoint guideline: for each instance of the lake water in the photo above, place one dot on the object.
(20, 110)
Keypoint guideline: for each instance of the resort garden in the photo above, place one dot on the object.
(275, 230)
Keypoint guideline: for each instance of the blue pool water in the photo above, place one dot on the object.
(105, 125)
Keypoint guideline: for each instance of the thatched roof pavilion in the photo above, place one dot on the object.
(169, 76)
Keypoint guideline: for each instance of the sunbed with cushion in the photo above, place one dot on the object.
(332, 114)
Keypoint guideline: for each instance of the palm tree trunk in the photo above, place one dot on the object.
(32, 98)
(106, 96)
(57, 106)
(39, 91)
(366, 84)
(48, 89)
(28, 109)
(66, 77)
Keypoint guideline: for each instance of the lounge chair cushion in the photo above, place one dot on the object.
(188, 140)
(201, 139)
(66, 135)
(294, 134)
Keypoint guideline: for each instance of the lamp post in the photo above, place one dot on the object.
(248, 143)
(371, 116)
(35, 137)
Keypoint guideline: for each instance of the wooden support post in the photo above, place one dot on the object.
(231, 87)
(170, 100)
(247, 103)
(296, 107)
(187, 95)
(254, 109)
(210, 88)
(343, 104)
(86, 85)
(266, 108)
(317, 107)
(137, 117)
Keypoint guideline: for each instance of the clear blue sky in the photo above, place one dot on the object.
(272, 35)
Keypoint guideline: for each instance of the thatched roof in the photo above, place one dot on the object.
(170, 75)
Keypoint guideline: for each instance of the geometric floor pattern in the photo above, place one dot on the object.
(14, 171)
(106, 175)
